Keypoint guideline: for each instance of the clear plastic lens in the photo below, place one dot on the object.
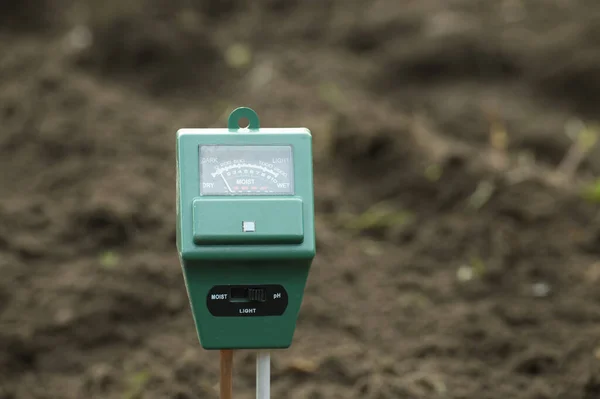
(246, 170)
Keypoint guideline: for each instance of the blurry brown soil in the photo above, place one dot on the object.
(446, 268)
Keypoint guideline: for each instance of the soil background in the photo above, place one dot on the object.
(457, 251)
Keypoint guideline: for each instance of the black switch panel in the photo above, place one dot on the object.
(247, 300)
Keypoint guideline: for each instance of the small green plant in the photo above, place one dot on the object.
(585, 137)
(136, 384)
(482, 194)
(379, 216)
(498, 135)
(238, 56)
(475, 268)
(433, 172)
(478, 266)
(591, 192)
(332, 95)
(109, 260)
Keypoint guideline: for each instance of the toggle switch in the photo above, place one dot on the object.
(246, 294)
(257, 294)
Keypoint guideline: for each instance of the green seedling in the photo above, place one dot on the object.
(482, 194)
(245, 230)
(109, 260)
(332, 95)
(238, 56)
(433, 172)
(476, 268)
(379, 216)
(585, 139)
(591, 192)
(136, 384)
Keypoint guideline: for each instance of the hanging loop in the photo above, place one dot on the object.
(237, 114)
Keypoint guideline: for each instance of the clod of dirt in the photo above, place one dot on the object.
(490, 339)
(550, 149)
(302, 366)
(280, 6)
(426, 384)
(536, 363)
(26, 15)
(187, 368)
(28, 247)
(539, 390)
(451, 58)
(6, 394)
(17, 354)
(163, 55)
(518, 316)
(592, 242)
(578, 313)
(106, 221)
(541, 206)
(366, 38)
(591, 389)
(334, 368)
(104, 227)
(575, 79)
(182, 393)
(369, 146)
(218, 8)
(354, 328)
(362, 40)
(3, 239)
(353, 142)
(572, 74)
(436, 348)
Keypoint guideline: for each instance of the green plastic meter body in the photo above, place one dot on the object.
(245, 230)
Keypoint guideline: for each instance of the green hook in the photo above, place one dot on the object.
(233, 123)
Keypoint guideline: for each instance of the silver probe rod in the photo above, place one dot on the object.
(263, 375)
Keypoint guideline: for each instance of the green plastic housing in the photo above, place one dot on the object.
(216, 221)
(214, 251)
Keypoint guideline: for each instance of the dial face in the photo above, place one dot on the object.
(246, 170)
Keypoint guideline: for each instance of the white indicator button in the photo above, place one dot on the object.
(248, 227)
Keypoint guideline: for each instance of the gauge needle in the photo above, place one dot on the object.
(225, 181)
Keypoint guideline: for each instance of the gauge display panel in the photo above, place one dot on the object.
(246, 170)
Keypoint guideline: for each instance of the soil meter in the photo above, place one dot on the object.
(245, 230)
